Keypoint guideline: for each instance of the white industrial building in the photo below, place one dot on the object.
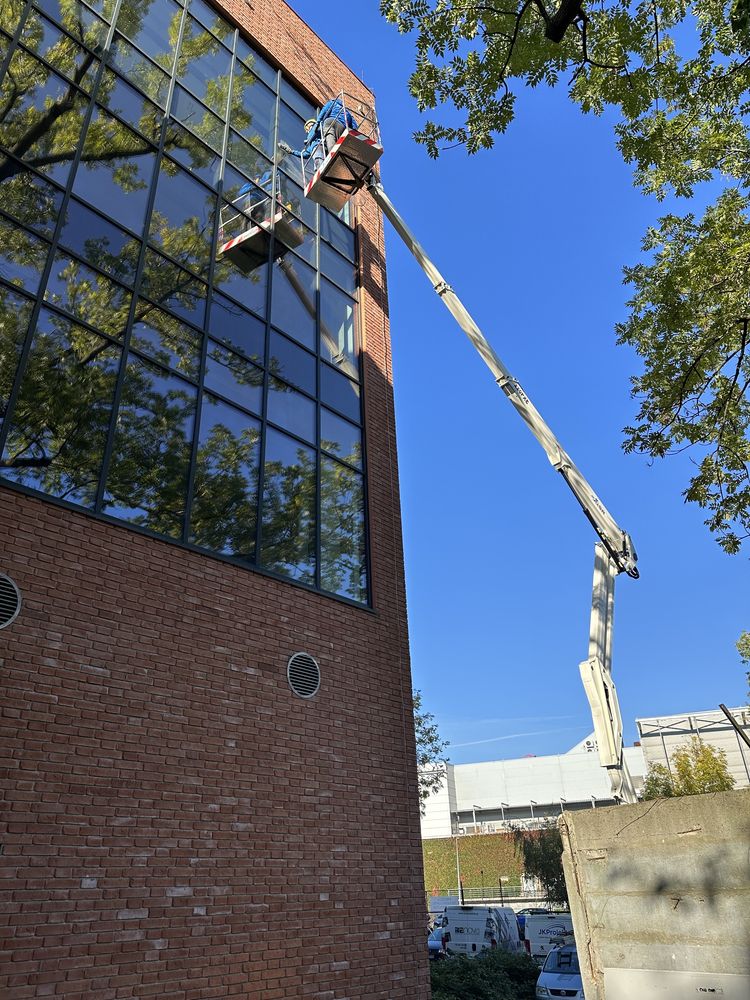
(484, 797)
(661, 736)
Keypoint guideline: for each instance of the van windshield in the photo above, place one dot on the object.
(563, 960)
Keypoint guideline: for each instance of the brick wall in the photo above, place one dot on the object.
(175, 822)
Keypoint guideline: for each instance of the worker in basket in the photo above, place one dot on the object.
(322, 132)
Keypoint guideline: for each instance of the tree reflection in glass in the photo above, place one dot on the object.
(59, 425)
(148, 473)
(288, 530)
(225, 490)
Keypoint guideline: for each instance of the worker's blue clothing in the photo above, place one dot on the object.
(333, 111)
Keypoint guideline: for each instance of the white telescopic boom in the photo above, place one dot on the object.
(615, 540)
(616, 553)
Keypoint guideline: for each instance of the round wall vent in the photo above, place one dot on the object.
(10, 601)
(303, 674)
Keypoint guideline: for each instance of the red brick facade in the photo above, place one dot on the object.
(177, 823)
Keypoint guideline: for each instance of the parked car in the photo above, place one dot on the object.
(560, 975)
(528, 911)
(470, 930)
(435, 944)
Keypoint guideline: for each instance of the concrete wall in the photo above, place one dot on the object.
(660, 897)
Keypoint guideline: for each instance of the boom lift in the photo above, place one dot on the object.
(330, 179)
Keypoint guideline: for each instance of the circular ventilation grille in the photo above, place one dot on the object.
(10, 601)
(303, 674)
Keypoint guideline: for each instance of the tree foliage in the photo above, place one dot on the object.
(677, 78)
(430, 752)
(743, 648)
(493, 975)
(695, 768)
(542, 859)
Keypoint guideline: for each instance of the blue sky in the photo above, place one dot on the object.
(499, 558)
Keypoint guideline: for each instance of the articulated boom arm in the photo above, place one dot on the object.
(616, 553)
(615, 540)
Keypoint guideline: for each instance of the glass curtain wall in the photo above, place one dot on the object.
(143, 375)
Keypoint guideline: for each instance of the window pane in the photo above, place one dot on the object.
(211, 20)
(88, 295)
(253, 110)
(293, 197)
(256, 63)
(15, 313)
(183, 146)
(296, 101)
(338, 341)
(22, 256)
(28, 107)
(197, 118)
(341, 438)
(73, 61)
(203, 66)
(96, 240)
(248, 288)
(148, 473)
(288, 528)
(131, 106)
(337, 234)
(61, 419)
(153, 26)
(291, 410)
(247, 159)
(141, 71)
(292, 363)
(291, 131)
(338, 269)
(166, 339)
(71, 14)
(342, 531)
(175, 289)
(225, 491)
(308, 248)
(33, 201)
(115, 172)
(182, 220)
(293, 299)
(338, 391)
(232, 376)
(237, 328)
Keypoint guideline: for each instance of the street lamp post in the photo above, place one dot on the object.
(532, 803)
(503, 807)
(474, 815)
(562, 804)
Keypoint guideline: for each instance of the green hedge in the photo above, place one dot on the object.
(493, 975)
(495, 854)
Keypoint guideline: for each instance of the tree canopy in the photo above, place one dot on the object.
(430, 751)
(695, 768)
(677, 78)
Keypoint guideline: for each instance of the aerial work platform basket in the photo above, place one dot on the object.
(348, 149)
(247, 225)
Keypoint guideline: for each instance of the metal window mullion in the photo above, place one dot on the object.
(359, 307)
(55, 238)
(218, 195)
(106, 461)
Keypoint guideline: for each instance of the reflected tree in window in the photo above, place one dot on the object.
(59, 426)
(225, 491)
(288, 530)
(342, 531)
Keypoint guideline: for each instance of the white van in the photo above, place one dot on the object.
(470, 930)
(545, 931)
